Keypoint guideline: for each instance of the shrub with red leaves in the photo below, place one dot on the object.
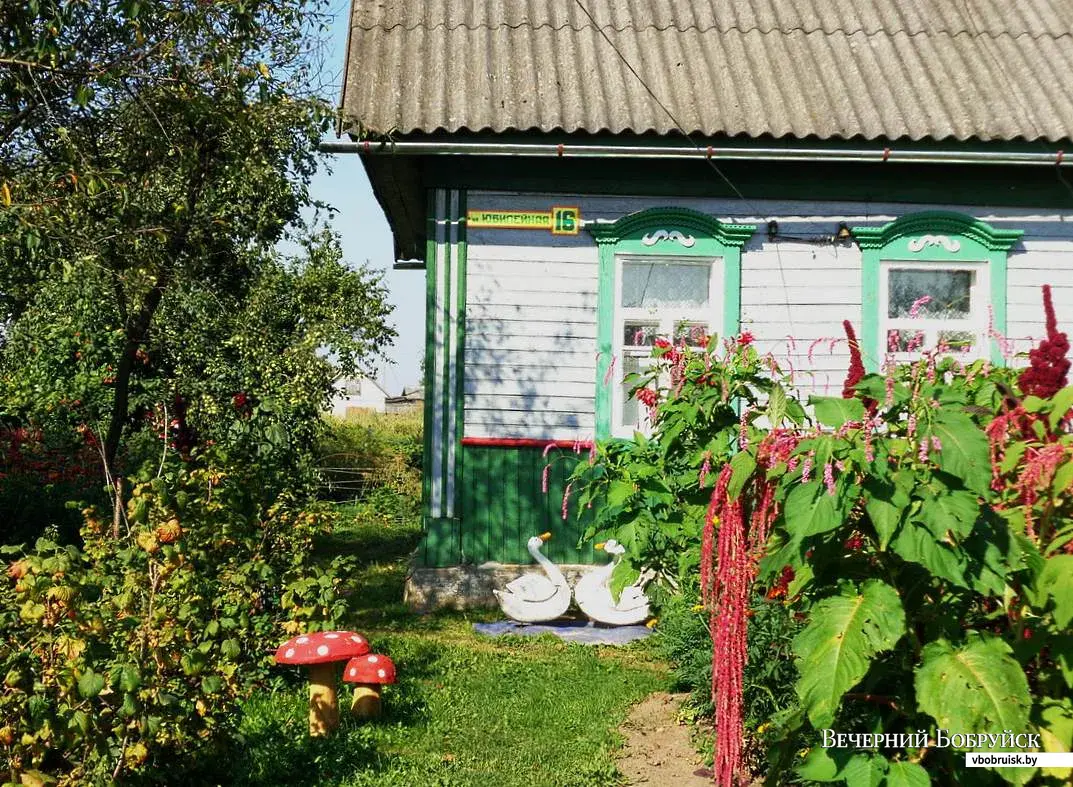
(1046, 374)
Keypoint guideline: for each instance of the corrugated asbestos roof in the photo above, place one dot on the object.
(834, 69)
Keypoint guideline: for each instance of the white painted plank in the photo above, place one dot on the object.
(766, 278)
(530, 269)
(529, 375)
(543, 282)
(572, 404)
(758, 314)
(544, 389)
(524, 360)
(532, 300)
(497, 326)
(540, 346)
(823, 294)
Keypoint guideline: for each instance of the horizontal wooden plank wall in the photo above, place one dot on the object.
(530, 320)
(503, 505)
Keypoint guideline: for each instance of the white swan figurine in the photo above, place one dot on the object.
(532, 598)
(593, 593)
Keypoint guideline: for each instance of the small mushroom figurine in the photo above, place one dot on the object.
(369, 672)
(320, 652)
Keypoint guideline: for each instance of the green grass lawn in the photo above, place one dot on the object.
(467, 710)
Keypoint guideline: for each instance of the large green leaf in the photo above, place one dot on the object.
(977, 687)
(1057, 582)
(885, 503)
(952, 511)
(835, 650)
(865, 770)
(916, 544)
(90, 684)
(1054, 719)
(834, 411)
(741, 467)
(907, 774)
(1061, 402)
(965, 451)
(810, 510)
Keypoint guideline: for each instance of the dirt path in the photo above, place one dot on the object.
(657, 752)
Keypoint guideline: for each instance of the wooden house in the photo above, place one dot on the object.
(577, 178)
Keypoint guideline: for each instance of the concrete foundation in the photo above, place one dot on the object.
(468, 587)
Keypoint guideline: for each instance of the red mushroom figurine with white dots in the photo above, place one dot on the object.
(321, 652)
(369, 672)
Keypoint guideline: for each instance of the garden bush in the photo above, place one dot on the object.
(919, 527)
(127, 657)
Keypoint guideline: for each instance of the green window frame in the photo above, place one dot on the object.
(664, 233)
(938, 239)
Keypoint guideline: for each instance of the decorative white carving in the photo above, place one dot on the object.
(921, 243)
(674, 236)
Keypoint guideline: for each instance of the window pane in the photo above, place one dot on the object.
(648, 284)
(639, 334)
(957, 341)
(694, 333)
(934, 294)
(631, 412)
(904, 341)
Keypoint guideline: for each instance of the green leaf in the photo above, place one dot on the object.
(965, 452)
(1055, 724)
(977, 687)
(834, 410)
(916, 544)
(619, 493)
(90, 684)
(211, 684)
(127, 676)
(810, 510)
(954, 511)
(885, 504)
(907, 774)
(1061, 403)
(865, 770)
(741, 466)
(819, 767)
(1057, 582)
(844, 634)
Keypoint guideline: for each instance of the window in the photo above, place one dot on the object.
(667, 297)
(933, 280)
(928, 306)
(664, 272)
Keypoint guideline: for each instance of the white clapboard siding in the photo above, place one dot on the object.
(529, 293)
(527, 402)
(530, 334)
(530, 389)
(527, 301)
(502, 326)
(540, 346)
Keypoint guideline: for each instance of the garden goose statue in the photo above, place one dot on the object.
(593, 592)
(533, 597)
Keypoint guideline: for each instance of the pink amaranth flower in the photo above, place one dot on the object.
(869, 449)
(743, 424)
(812, 348)
(610, 370)
(829, 478)
(705, 467)
(889, 371)
(806, 467)
(936, 444)
(566, 499)
(547, 449)
(911, 425)
(544, 478)
(914, 310)
(592, 452)
(922, 454)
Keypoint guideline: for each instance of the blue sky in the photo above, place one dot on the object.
(365, 235)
